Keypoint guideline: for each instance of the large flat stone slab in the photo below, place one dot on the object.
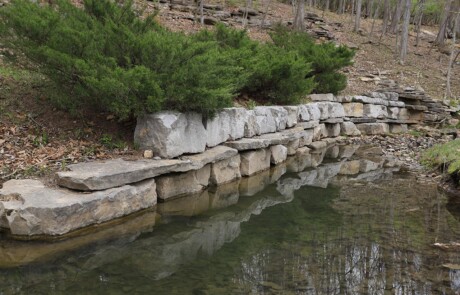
(171, 134)
(102, 175)
(253, 162)
(29, 208)
(373, 128)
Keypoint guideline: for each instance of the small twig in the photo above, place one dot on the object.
(34, 121)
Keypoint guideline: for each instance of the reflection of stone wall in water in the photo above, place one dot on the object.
(166, 252)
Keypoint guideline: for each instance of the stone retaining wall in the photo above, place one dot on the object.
(235, 143)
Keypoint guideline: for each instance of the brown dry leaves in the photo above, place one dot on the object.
(29, 151)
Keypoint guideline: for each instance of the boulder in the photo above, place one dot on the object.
(373, 128)
(370, 100)
(330, 110)
(255, 161)
(101, 175)
(398, 128)
(353, 109)
(318, 132)
(279, 154)
(245, 144)
(309, 112)
(292, 115)
(225, 171)
(322, 97)
(349, 129)
(350, 167)
(332, 130)
(34, 209)
(368, 165)
(375, 111)
(227, 124)
(318, 145)
(393, 113)
(178, 184)
(262, 120)
(403, 114)
(308, 125)
(171, 134)
(292, 147)
(306, 137)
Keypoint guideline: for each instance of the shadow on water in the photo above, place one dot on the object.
(329, 222)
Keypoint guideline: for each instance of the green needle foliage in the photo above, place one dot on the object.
(104, 56)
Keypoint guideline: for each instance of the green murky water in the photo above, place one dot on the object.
(318, 231)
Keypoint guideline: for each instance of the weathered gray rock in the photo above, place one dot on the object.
(262, 120)
(349, 129)
(292, 115)
(318, 132)
(113, 173)
(350, 167)
(333, 120)
(322, 97)
(292, 147)
(171, 134)
(393, 113)
(225, 171)
(344, 98)
(279, 154)
(370, 100)
(375, 111)
(398, 128)
(309, 112)
(317, 145)
(245, 144)
(368, 165)
(403, 114)
(332, 130)
(373, 128)
(30, 208)
(347, 151)
(255, 161)
(353, 109)
(330, 110)
(332, 152)
(306, 137)
(308, 125)
(178, 184)
(227, 124)
(398, 104)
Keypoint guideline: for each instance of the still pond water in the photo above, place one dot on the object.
(286, 231)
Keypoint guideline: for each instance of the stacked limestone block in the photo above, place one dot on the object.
(193, 153)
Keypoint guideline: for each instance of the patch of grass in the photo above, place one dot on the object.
(416, 133)
(109, 142)
(445, 156)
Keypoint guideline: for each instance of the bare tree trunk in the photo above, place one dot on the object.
(201, 12)
(358, 16)
(452, 58)
(386, 16)
(418, 24)
(405, 33)
(376, 13)
(267, 5)
(352, 10)
(396, 17)
(299, 20)
(441, 37)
